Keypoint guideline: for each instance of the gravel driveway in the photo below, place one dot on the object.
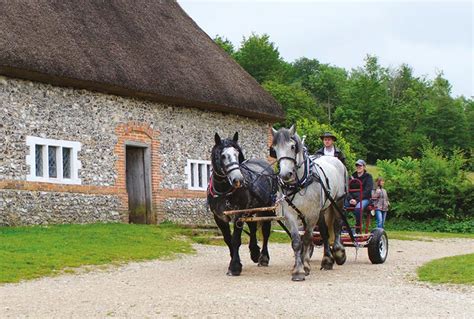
(196, 286)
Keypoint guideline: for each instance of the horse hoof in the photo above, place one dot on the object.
(340, 260)
(263, 261)
(340, 256)
(306, 271)
(298, 277)
(233, 273)
(234, 269)
(255, 254)
(327, 263)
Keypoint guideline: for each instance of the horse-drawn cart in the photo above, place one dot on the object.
(375, 240)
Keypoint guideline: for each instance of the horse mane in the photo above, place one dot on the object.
(217, 150)
(283, 136)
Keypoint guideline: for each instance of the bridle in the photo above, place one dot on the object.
(224, 176)
(226, 170)
(296, 166)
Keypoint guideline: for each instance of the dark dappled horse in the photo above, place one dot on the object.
(301, 181)
(237, 184)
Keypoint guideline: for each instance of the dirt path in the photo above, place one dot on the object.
(196, 286)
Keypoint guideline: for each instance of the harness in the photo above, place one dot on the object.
(290, 190)
(215, 193)
(224, 178)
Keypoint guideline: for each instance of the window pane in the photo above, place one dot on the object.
(192, 175)
(53, 172)
(39, 160)
(66, 162)
(200, 166)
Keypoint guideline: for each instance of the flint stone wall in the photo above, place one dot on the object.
(191, 211)
(35, 109)
(37, 207)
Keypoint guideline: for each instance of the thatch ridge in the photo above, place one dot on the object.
(143, 49)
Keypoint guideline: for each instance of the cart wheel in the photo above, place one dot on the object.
(378, 246)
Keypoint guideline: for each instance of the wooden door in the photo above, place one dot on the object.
(136, 185)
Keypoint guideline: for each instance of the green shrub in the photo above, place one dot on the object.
(313, 130)
(432, 187)
(433, 225)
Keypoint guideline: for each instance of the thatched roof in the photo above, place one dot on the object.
(146, 49)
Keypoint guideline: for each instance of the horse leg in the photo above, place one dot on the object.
(225, 230)
(338, 250)
(298, 273)
(235, 267)
(253, 243)
(264, 258)
(328, 261)
(307, 246)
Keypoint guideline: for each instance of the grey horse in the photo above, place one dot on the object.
(301, 180)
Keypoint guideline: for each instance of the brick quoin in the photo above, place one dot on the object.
(143, 133)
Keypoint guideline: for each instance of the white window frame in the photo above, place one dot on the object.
(195, 172)
(32, 141)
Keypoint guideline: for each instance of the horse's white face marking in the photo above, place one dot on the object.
(230, 160)
(287, 166)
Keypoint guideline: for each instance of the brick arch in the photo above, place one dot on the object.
(142, 133)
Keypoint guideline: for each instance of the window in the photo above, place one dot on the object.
(53, 161)
(198, 173)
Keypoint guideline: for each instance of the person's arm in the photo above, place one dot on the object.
(341, 157)
(376, 194)
(369, 185)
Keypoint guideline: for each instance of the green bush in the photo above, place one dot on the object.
(313, 130)
(432, 225)
(432, 187)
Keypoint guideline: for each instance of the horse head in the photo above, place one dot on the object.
(226, 159)
(288, 150)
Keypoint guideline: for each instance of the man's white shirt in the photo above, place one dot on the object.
(329, 151)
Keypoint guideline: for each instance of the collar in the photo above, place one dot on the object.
(211, 190)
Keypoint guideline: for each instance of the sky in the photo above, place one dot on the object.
(430, 36)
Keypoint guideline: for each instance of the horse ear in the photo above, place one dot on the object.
(274, 131)
(217, 139)
(292, 130)
(241, 157)
(236, 137)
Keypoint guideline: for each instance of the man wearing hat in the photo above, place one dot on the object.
(329, 149)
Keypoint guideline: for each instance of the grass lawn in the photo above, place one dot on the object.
(426, 236)
(31, 252)
(452, 270)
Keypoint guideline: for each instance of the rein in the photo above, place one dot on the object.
(304, 182)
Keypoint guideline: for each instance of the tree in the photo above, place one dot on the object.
(225, 44)
(260, 58)
(297, 102)
(365, 117)
(304, 68)
(327, 84)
